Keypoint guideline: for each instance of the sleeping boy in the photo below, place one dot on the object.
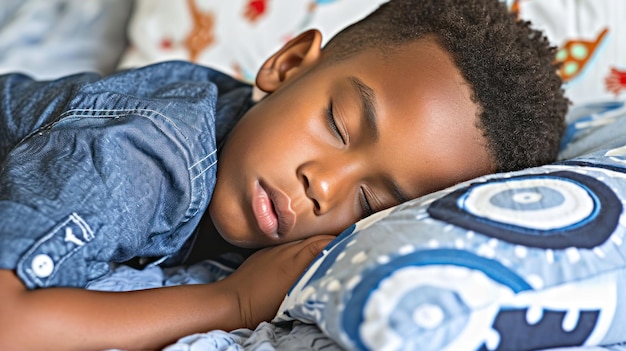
(416, 97)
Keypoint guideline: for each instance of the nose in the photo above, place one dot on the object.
(329, 184)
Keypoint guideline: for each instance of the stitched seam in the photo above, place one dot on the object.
(202, 159)
(204, 170)
(116, 114)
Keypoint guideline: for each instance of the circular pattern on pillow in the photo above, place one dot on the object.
(556, 210)
(540, 203)
(421, 301)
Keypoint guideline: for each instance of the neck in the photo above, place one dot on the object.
(209, 244)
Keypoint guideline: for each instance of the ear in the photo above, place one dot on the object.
(297, 54)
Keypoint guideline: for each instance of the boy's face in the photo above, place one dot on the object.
(334, 142)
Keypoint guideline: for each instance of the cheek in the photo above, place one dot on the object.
(293, 131)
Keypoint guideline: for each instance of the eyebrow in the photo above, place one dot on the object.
(370, 118)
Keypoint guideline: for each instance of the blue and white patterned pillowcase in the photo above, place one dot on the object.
(524, 260)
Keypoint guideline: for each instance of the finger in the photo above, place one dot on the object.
(311, 248)
(321, 237)
(299, 244)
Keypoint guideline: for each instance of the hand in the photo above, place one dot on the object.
(263, 280)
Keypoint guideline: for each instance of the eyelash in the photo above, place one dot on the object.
(330, 117)
(365, 204)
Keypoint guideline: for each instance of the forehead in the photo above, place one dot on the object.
(425, 112)
(418, 76)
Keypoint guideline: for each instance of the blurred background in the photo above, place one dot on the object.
(52, 38)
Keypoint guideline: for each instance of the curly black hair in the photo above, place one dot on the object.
(510, 67)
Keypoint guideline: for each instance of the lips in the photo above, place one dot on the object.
(272, 211)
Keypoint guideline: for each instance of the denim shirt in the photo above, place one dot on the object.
(97, 170)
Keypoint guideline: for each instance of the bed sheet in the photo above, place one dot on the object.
(266, 337)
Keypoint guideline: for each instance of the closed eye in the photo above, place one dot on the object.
(332, 123)
(365, 204)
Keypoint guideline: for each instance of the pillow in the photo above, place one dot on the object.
(234, 36)
(590, 37)
(237, 36)
(512, 261)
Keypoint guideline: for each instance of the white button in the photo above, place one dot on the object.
(42, 265)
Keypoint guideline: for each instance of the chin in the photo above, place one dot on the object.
(241, 241)
(236, 241)
(231, 233)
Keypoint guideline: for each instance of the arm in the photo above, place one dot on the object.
(68, 318)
